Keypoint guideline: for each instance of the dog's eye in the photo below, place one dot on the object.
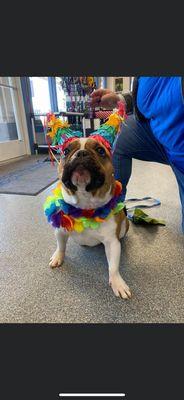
(66, 151)
(101, 151)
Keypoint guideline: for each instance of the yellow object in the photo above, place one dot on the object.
(55, 124)
(90, 80)
(115, 120)
(78, 226)
(57, 191)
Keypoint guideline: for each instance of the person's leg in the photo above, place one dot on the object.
(135, 141)
(180, 179)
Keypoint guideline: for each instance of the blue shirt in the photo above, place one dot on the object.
(161, 101)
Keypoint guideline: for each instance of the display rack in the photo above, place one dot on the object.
(77, 93)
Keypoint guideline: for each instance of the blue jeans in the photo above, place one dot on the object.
(137, 141)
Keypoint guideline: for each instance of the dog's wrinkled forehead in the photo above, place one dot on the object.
(91, 146)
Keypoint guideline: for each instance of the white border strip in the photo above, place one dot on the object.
(92, 394)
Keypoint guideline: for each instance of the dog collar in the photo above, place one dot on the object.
(61, 214)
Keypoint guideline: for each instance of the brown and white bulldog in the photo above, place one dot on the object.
(88, 182)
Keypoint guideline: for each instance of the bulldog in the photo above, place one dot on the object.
(87, 181)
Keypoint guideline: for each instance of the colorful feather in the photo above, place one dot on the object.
(61, 134)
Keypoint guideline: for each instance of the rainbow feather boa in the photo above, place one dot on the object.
(61, 214)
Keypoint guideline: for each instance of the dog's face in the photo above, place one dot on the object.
(86, 165)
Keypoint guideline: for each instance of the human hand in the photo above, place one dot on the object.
(104, 98)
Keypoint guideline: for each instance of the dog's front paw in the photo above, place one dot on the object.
(57, 259)
(119, 287)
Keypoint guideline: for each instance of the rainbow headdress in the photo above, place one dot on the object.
(61, 214)
(61, 134)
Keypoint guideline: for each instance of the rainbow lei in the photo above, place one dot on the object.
(61, 214)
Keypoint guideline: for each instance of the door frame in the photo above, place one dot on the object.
(20, 147)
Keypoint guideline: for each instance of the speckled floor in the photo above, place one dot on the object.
(152, 263)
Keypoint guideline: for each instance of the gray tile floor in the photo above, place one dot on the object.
(152, 263)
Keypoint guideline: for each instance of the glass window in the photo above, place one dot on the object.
(61, 98)
(40, 94)
(101, 83)
(8, 112)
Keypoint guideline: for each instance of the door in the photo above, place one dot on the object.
(14, 141)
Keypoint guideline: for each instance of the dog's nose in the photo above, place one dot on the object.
(82, 153)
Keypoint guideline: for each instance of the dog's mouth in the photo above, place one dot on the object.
(85, 174)
(80, 177)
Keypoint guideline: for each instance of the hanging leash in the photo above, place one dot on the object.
(134, 199)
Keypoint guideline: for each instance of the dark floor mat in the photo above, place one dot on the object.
(28, 176)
